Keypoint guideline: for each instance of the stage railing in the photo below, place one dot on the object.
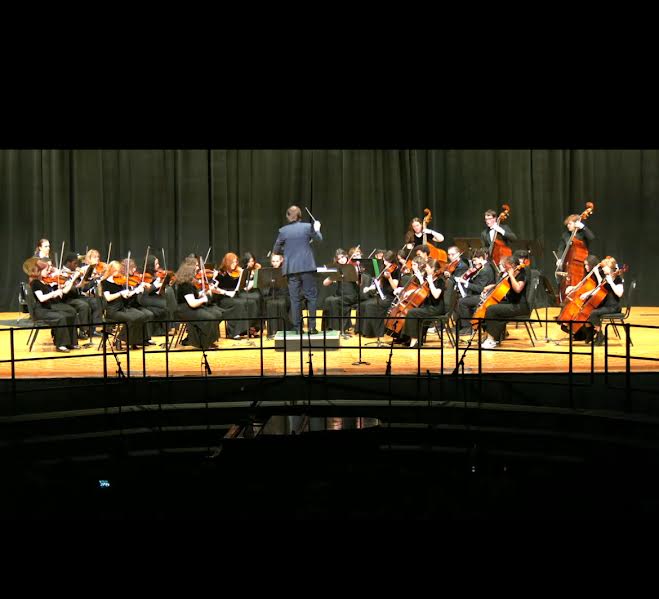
(628, 357)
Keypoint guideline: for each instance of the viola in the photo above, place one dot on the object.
(435, 253)
(571, 268)
(498, 248)
(496, 294)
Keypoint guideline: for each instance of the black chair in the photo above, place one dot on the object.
(31, 302)
(531, 288)
(180, 328)
(618, 318)
(446, 320)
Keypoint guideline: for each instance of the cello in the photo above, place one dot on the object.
(496, 294)
(412, 296)
(498, 247)
(435, 253)
(579, 310)
(570, 267)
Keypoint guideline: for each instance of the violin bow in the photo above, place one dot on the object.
(127, 266)
(148, 247)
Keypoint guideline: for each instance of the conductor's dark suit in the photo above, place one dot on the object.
(299, 267)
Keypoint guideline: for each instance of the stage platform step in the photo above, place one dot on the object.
(332, 340)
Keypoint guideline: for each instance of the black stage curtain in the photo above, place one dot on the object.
(235, 200)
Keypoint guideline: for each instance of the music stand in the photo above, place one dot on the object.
(345, 273)
(467, 244)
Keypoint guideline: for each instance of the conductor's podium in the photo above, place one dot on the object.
(292, 343)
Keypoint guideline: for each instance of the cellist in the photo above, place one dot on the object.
(472, 283)
(513, 304)
(615, 289)
(429, 275)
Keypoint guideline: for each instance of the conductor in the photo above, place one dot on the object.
(299, 266)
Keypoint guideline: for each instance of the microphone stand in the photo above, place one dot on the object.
(342, 334)
(120, 372)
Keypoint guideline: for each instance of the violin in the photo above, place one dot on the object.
(450, 268)
(133, 280)
(498, 247)
(236, 272)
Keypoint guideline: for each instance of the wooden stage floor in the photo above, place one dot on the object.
(242, 357)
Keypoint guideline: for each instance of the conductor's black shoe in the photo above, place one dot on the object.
(313, 331)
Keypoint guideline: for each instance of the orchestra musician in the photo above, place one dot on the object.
(43, 249)
(49, 307)
(428, 274)
(415, 233)
(88, 309)
(194, 305)
(118, 300)
(504, 232)
(152, 300)
(253, 296)
(294, 243)
(277, 301)
(340, 303)
(512, 305)
(225, 295)
(615, 289)
(482, 275)
(377, 307)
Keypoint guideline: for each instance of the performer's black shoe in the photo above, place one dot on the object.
(313, 331)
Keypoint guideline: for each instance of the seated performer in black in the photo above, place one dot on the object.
(253, 296)
(343, 298)
(456, 262)
(88, 308)
(277, 299)
(513, 304)
(377, 306)
(49, 307)
(152, 300)
(133, 301)
(615, 289)
(117, 298)
(431, 308)
(472, 288)
(226, 282)
(194, 305)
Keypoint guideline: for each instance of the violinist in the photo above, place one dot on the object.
(472, 283)
(225, 295)
(415, 233)
(194, 305)
(378, 306)
(403, 257)
(336, 313)
(428, 274)
(49, 307)
(615, 289)
(88, 309)
(277, 301)
(512, 305)
(253, 296)
(118, 299)
(457, 265)
(152, 300)
(43, 249)
(503, 231)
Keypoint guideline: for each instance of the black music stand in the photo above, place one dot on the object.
(268, 280)
(345, 273)
(467, 244)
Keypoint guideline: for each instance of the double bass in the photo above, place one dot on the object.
(570, 268)
(498, 247)
(579, 310)
(496, 294)
(436, 253)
